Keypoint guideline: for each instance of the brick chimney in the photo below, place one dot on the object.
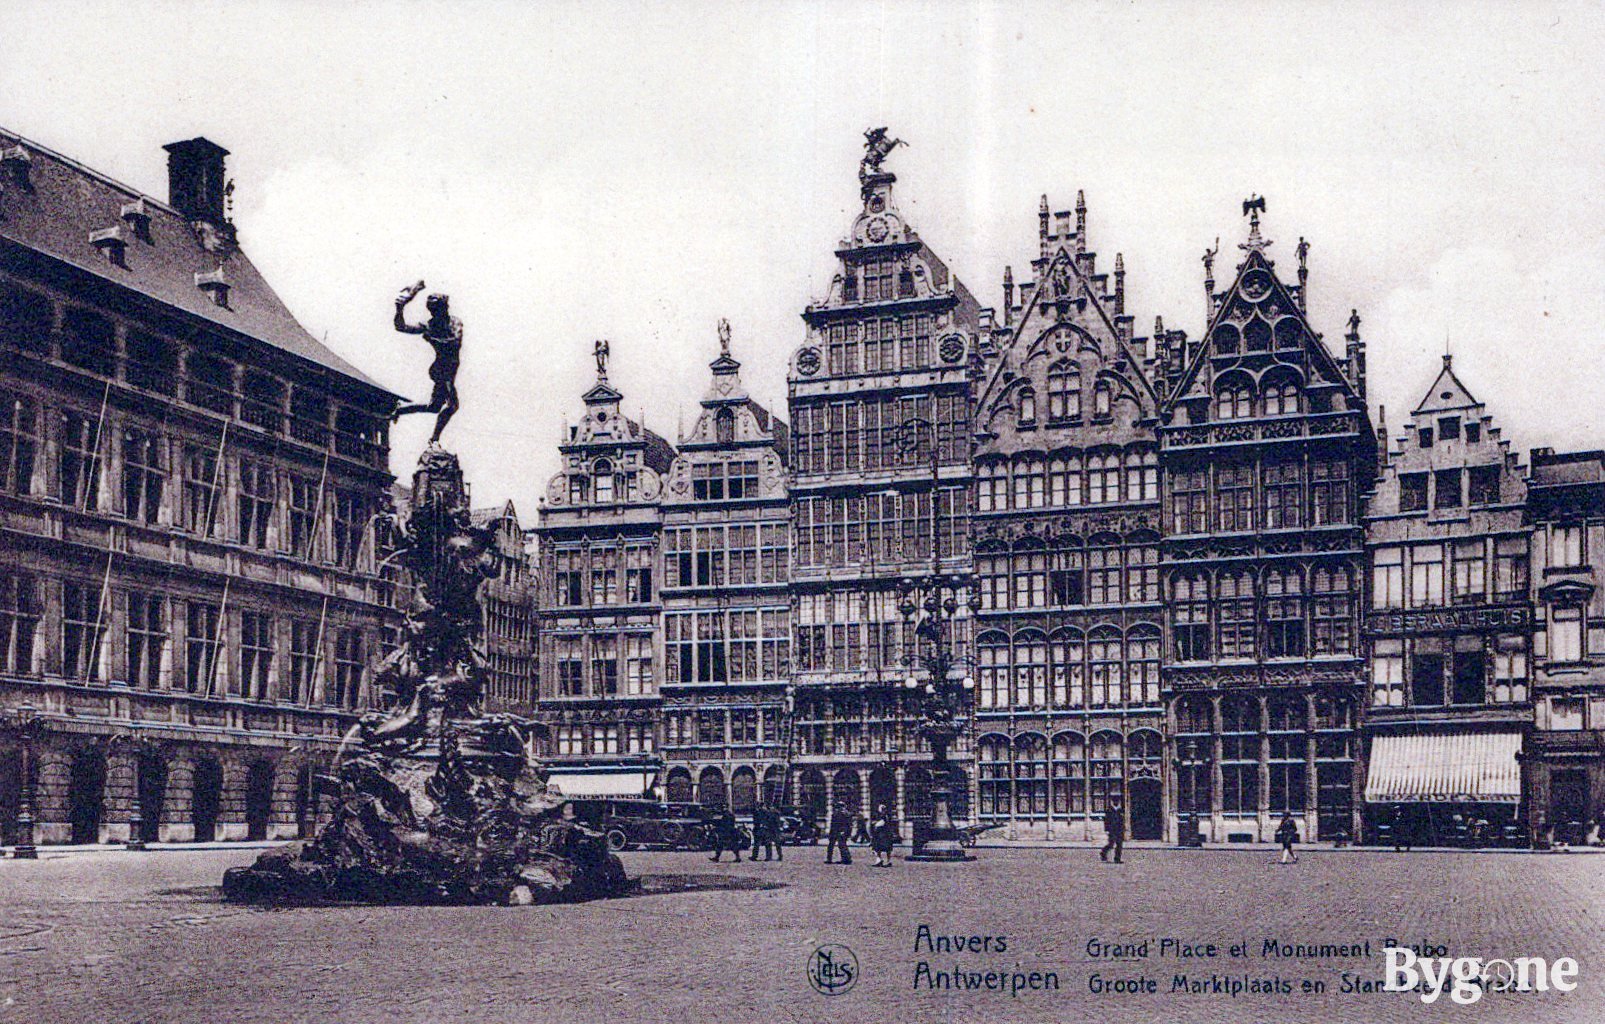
(195, 179)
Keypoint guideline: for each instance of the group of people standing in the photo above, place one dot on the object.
(845, 826)
(765, 835)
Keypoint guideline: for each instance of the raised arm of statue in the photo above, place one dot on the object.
(407, 295)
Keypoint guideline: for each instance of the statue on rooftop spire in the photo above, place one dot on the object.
(724, 337)
(877, 147)
(600, 351)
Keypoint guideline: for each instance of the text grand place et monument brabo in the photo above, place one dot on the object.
(1189, 575)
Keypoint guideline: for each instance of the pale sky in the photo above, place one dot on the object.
(636, 171)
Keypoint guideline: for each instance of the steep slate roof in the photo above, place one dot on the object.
(63, 202)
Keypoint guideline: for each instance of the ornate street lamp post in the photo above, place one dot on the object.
(27, 724)
(930, 604)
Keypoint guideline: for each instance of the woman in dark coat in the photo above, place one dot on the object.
(1287, 835)
(883, 836)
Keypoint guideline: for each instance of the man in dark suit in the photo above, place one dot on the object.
(841, 827)
(766, 833)
(1114, 827)
(726, 836)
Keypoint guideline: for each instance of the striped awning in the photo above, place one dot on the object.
(1468, 767)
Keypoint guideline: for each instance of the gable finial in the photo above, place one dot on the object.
(724, 337)
(1253, 206)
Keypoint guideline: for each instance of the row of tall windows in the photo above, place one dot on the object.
(1099, 669)
(1449, 488)
(1024, 777)
(1105, 571)
(866, 433)
(1241, 497)
(720, 481)
(1278, 735)
(723, 726)
(1283, 612)
(604, 484)
(602, 738)
(1234, 399)
(726, 646)
(1457, 572)
(602, 574)
(857, 630)
(603, 664)
(176, 644)
(879, 528)
(1436, 671)
(726, 555)
(878, 344)
(152, 363)
(246, 500)
(1067, 479)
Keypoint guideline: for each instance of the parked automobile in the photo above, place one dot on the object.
(646, 824)
(797, 827)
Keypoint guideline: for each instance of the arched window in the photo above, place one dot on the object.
(1069, 770)
(1030, 669)
(1103, 478)
(992, 486)
(1108, 682)
(1142, 476)
(724, 426)
(1064, 391)
(1233, 401)
(1030, 575)
(1102, 399)
(1281, 398)
(1029, 485)
(1142, 568)
(1064, 480)
(992, 652)
(1333, 625)
(1028, 407)
(1069, 670)
(1190, 617)
(1236, 615)
(1142, 664)
(992, 567)
(992, 765)
(1030, 775)
(1284, 613)
(602, 470)
(1103, 569)
(1067, 580)
(1106, 769)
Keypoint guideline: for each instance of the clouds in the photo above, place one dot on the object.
(571, 171)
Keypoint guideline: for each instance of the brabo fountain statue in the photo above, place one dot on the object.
(436, 802)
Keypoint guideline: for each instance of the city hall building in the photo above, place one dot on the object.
(190, 595)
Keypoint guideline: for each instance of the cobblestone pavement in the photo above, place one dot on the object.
(115, 937)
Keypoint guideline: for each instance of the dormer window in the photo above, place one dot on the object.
(579, 488)
(137, 217)
(110, 242)
(1102, 399)
(1424, 437)
(17, 163)
(602, 470)
(213, 283)
(1449, 427)
(1473, 433)
(724, 426)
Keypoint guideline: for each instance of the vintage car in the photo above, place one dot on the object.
(646, 824)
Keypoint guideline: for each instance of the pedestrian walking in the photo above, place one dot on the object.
(860, 830)
(883, 836)
(1114, 828)
(766, 833)
(841, 827)
(726, 837)
(1287, 835)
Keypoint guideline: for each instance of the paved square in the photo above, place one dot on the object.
(124, 937)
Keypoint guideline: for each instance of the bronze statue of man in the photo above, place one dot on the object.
(444, 333)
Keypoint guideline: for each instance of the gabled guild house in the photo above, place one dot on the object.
(1448, 625)
(190, 595)
(1068, 719)
(1265, 447)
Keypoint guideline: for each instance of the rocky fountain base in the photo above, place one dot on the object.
(447, 829)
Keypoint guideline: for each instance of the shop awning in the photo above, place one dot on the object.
(1471, 767)
(601, 782)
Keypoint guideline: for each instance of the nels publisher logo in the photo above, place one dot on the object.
(832, 969)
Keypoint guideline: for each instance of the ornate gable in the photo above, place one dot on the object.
(1259, 337)
(1067, 356)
